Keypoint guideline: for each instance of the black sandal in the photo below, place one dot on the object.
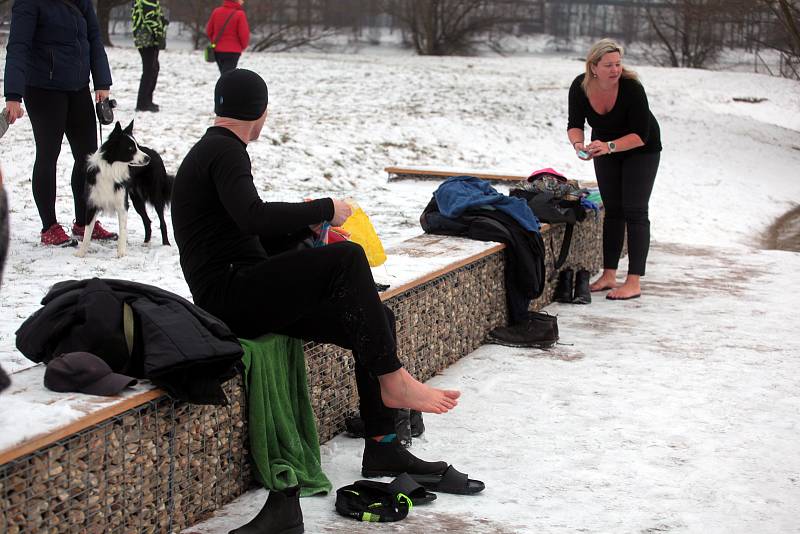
(452, 481)
(402, 484)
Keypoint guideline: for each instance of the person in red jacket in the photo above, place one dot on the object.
(227, 27)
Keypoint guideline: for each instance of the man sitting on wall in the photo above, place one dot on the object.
(239, 256)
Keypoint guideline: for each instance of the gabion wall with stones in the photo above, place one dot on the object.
(160, 467)
(166, 465)
(438, 323)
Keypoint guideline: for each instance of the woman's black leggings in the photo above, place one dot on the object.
(626, 181)
(55, 113)
(324, 294)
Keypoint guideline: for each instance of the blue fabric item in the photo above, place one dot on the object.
(589, 205)
(52, 45)
(459, 193)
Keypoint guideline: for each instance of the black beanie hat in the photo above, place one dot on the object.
(240, 94)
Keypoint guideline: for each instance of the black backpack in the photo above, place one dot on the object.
(554, 200)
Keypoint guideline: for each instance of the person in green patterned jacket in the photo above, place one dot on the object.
(149, 36)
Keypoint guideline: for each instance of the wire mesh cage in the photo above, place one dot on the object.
(166, 465)
(158, 467)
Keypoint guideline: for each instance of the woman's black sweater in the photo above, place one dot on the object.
(630, 114)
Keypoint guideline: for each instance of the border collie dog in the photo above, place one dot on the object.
(122, 167)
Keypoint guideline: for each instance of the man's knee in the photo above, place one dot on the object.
(349, 251)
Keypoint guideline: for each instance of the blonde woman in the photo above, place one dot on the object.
(625, 147)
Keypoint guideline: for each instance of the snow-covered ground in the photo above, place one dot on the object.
(678, 412)
(728, 168)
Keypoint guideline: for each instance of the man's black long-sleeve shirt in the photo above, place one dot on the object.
(217, 216)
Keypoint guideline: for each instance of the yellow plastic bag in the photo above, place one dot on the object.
(363, 233)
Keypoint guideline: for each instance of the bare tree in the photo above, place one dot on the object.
(446, 27)
(687, 31)
(194, 15)
(285, 24)
(104, 8)
(787, 13)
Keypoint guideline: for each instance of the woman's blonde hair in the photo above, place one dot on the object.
(596, 53)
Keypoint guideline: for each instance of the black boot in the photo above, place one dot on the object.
(407, 425)
(402, 426)
(4, 380)
(281, 514)
(564, 287)
(354, 426)
(531, 333)
(545, 320)
(391, 459)
(417, 425)
(582, 293)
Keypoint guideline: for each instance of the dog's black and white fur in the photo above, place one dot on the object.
(122, 167)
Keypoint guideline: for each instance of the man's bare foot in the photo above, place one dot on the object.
(607, 280)
(401, 390)
(629, 290)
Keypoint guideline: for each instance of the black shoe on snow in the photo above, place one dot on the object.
(391, 459)
(564, 287)
(583, 294)
(531, 333)
(281, 514)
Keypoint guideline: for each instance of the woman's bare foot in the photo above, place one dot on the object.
(607, 280)
(401, 390)
(631, 289)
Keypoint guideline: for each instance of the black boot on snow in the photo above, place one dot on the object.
(564, 287)
(390, 459)
(281, 514)
(545, 322)
(417, 425)
(582, 293)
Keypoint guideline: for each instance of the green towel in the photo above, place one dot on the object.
(283, 435)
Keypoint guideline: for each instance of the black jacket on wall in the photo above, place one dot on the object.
(525, 271)
(176, 345)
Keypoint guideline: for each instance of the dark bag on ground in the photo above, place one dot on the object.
(377, 502)
(554, 200)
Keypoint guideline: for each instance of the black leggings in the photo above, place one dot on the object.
(626, 181)
(147, 84)
(55, 113)
(326, 295)
(227, 61)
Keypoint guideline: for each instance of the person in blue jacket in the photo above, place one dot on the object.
(53, 48)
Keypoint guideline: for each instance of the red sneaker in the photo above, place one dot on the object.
(99, 233)
(57, 237)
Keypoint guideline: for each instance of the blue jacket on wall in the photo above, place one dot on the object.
(54, 44)
(459, 193)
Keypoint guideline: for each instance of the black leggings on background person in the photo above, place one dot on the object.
(626, 181)
(227, 61)
(4, 380)
(147, 84)
(53, 114)
(324, 294)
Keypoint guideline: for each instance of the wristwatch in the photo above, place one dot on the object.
(612, 146)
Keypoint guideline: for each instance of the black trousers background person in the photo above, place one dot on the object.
(147, 84)
(227, 61)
